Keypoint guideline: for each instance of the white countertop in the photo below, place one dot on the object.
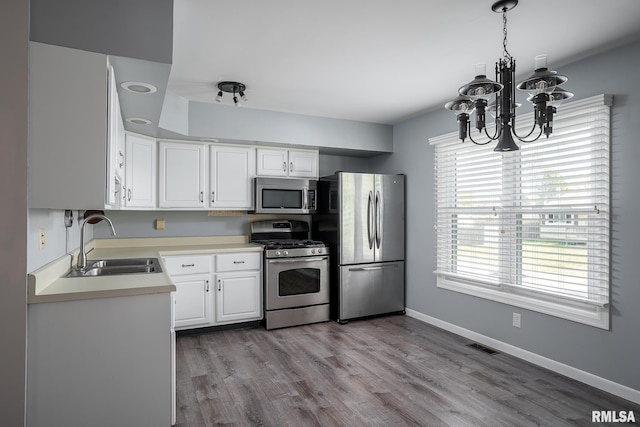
(48, 283)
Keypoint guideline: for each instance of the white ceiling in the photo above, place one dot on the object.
(378, 61)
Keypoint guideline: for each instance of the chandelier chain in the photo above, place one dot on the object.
(506, 54)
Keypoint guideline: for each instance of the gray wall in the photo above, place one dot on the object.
(14, 26)
(613, 354)
(133, 28)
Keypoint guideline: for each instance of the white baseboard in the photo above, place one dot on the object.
(566, 370)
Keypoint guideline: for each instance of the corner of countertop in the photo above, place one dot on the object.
(42, 277)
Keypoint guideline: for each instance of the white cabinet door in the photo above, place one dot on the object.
(272, 162)
(192, 301)
(182, 175)
(231, 177)
(113, 111)
(238, 296)
(140, 175)
(303, 164)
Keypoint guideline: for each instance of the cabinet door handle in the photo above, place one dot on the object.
(122, 156)
(188, 265)
(213, 197)
(207, 286)
(129, 194)
(291, 167)
(201, 197)
(284, 166)
(219, 285)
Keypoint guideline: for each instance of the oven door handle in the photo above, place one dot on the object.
(290, 260)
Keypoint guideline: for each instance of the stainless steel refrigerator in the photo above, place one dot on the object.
(361, 217)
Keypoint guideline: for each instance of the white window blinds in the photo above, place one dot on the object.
(534, 222)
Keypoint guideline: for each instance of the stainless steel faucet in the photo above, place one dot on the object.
(82, 255)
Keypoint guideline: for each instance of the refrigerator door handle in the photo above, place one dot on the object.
(370, 213)
(378, 220)
(379, 267)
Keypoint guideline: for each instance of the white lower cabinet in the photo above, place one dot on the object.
(238, 297)
(191, 275)
(234, 296)
(193, 307)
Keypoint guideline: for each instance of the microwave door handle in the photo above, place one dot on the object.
(369, 219)
(378, 220)
(305, 203)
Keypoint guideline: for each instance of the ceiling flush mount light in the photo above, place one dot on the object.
(232, 87)
(138, 121)
(139, 87)
(542, 86)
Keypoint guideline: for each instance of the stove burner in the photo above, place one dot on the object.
(289, 243)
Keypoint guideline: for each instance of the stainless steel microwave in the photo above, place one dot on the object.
(285, 196)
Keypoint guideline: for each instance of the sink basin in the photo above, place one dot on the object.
(114, 267)
(122, 262)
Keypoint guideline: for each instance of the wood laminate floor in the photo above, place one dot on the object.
(388, 371)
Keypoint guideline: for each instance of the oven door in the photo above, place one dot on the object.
(296, 282)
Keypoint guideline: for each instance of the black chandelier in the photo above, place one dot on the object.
(542, 86)
(232, 87)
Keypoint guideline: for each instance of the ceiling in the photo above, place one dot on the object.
(373, 60)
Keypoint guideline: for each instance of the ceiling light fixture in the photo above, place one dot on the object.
(232, 87)
(542, 87)
(139, 87)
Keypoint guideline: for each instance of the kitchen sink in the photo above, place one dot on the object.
(114, 267)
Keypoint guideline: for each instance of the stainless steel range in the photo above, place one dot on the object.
(296, 273)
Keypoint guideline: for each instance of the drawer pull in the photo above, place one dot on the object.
(238, 262)
(188, 265)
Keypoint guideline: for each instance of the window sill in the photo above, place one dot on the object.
(587, 314)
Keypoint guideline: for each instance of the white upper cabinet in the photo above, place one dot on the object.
(287, 163)
(303, 163)
(139, 190)
(231, 177)
(70, 112)
(272, 162)
(115, 144)
(181, 175)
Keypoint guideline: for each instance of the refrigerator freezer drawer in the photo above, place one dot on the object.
(370, 289)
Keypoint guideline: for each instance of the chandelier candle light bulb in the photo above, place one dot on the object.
(542, 87)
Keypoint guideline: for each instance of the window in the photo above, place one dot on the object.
(530, 228)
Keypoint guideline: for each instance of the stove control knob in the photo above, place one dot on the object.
(285, 253)
(319, 250)
(313, 251)
(277, 253)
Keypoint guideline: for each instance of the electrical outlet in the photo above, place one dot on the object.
(41, 239)
(517, 320)
(160, 224)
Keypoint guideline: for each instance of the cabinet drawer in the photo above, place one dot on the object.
(188, 264)
(238, 261)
